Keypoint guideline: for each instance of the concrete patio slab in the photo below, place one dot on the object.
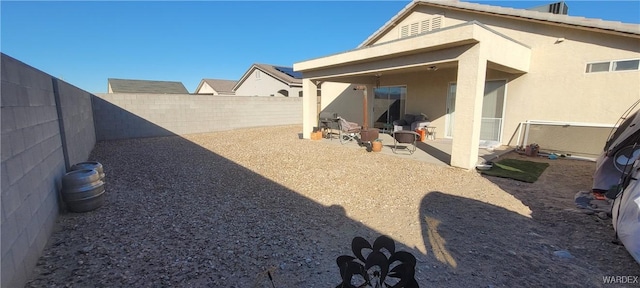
(436, 151)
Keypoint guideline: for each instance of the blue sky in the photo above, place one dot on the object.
(86, 42)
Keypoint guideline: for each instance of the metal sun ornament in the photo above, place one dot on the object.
(382, 267)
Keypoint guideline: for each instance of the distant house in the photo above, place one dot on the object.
(269, 80)
(145, 86)
(216, 87)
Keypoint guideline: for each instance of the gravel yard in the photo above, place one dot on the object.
(221, 209)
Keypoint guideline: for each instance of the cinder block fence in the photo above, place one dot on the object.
(48, 125)
(122, 116)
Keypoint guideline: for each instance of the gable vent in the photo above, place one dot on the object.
(404, 31)
(414, 28)
(436, 23)
(423, 26)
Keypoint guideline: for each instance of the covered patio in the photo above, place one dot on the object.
(426, 65)
(437, 152)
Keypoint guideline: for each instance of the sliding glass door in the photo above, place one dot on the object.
(388, 104)
(451, 110)
(492, 110)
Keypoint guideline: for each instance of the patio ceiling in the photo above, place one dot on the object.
(412, 54)
(471, 48)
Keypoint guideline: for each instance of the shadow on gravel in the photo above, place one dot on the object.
(551, 200)
(177, 214)
(476, 244)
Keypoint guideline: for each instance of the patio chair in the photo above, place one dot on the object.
(411, 122)
(405, 137)
(348, 130)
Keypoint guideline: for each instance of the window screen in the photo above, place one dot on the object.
(598, 67)
(626, 65)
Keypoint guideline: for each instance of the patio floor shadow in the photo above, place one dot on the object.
(436, 151)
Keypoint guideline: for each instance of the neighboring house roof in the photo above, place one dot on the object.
(219, 85)
(146, 86)
(523, 14)
(282, 73)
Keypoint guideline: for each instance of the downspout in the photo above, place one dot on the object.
(63, 135)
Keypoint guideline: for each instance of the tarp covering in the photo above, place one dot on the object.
(619, 153)
(626, 215)
(618, 169)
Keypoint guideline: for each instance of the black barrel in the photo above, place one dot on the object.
(83, 190)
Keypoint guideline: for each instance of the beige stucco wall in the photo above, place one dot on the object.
(264, 86)
(416, 16)
(342, 99)
(426, 93)
(556, 86)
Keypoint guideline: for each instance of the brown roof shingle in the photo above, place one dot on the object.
(273, 71)
(146, 86)
(292, 78)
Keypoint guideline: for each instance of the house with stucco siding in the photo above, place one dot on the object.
(479, 71)
(269, 80)
(216, 87)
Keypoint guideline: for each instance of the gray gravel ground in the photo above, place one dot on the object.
(221, 209)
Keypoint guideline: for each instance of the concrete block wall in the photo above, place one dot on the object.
(121, 116)
(33, 162)
(77, 118)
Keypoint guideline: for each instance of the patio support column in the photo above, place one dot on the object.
(370, 102)
(309, 107)
(472, 68)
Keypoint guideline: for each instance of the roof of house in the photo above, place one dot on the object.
(146, 86)
(523, 14)
(219, 85)
(282, 73)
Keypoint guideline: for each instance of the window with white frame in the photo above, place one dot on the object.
(626, 65)
(611, 66)
(598, 67)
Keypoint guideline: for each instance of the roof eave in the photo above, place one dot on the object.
(389, 24)
(244, 77)
(259, 67)
(536, 20)
(199, 85)
(277, 77)
(407, 10)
